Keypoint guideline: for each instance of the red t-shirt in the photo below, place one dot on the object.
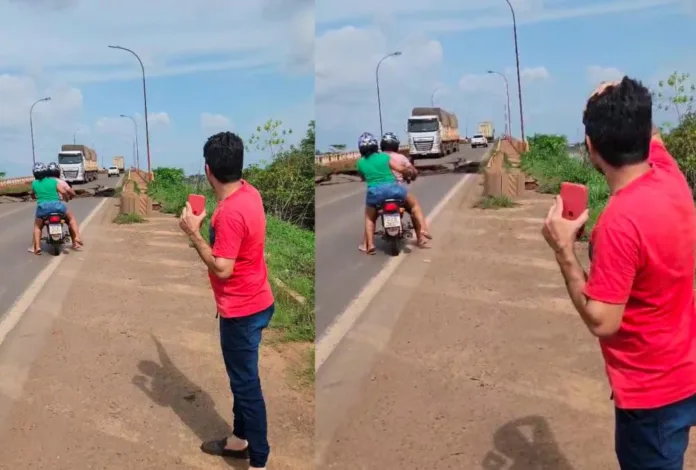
(642, 255)
(238, 232)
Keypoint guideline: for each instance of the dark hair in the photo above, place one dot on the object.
(224, 155)
(368, 150)
(618, 122)
(389, 146)
(39, 175)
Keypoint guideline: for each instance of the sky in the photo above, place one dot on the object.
(566, 48)
(211, 66)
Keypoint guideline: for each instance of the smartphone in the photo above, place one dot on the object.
(575, 201)
(197, 203)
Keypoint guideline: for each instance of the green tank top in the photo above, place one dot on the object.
(46, 190)
(375, 169)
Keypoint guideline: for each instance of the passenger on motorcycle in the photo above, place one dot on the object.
(53, 171)
(47, 194)
(375, 168)
(390, 145)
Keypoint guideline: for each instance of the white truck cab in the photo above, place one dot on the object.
(424, 135)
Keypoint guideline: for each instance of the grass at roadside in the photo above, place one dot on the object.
(289, 252)
(496, 202)
(550, 163)
(130, 218)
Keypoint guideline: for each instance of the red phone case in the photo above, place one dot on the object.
(575, 200)
(197, 203)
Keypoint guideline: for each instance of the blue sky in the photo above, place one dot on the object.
(566, 48)
(212, 65)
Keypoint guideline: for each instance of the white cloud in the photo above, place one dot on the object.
(597, 74)
(346, 61)
(494, 83)
(197, 36)
(214, 123)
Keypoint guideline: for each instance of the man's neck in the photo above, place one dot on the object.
(224, 191)
(619, 179)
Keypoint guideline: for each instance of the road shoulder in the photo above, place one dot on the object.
(121, 348)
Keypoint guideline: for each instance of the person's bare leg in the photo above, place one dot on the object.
(411, 202)
(38, 225)
(74, 230)
(370, 219)
(419, 222)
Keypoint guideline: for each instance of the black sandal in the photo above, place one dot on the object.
(218, 448)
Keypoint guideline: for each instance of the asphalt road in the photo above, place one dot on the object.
(19, 266)
(341, 270)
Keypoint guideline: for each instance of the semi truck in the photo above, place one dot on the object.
(486, 129)
(78, 163)
(432, 132)
(120, 163)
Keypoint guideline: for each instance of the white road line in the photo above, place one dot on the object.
(335, 333)
(12, 317)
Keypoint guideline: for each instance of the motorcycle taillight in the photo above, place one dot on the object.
(54, 219)
(391, 207)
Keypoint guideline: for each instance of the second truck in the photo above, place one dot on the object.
(120, 163)
(78, 164)
(432, 132)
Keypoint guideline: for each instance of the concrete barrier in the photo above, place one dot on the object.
(16, 181)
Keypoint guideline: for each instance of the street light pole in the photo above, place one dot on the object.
(432, 95)
(31, 126)
(517, 58)
(379, 101)
(507, 93)
(137, 145)
(147, 128)
(74, 137)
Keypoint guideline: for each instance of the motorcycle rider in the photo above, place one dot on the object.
(53, 171)
(376, 168)
(390, 145)
(48, 201)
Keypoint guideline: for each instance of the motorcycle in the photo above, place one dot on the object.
(394, 229)
(57, 233)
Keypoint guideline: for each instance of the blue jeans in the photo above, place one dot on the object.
(654, 439)
(44, 209)
(376, 195)
(240, 339)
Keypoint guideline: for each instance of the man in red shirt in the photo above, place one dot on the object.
(638, 297)
(239, 278)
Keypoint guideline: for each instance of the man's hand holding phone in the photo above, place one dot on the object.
(565, 221)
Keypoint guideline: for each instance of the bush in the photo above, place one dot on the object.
(549, 161)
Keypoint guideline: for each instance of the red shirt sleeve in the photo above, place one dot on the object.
(660, 157)
(615, 261)
(229, 234)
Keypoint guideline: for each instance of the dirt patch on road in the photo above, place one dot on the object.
(488, 366)
(131, 375)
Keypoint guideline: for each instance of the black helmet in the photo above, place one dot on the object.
(390, 143)
(53, 170)
(367, 144)
(39, 171)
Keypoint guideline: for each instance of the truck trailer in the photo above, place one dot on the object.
(120, 163)
(432, 132)
(486, 129)
(78, 164)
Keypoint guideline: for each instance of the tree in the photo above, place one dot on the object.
(676, 94)
(269, 136)
(338, 147)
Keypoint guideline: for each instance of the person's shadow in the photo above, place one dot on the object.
(539, 453)
(169, 387)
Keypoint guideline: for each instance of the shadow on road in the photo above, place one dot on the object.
(169, 387)
(513, 449)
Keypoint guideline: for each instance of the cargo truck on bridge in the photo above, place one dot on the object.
(432, 132)
(486, 129)
(78, 163)
(120, 163)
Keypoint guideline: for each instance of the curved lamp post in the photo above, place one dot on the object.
(517, 58)
(137, 145)
(379, 101)
(147, 129)
(507, 93)
(31, 126)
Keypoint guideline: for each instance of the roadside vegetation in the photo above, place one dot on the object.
(129, 218)
(550, 162)
(286, 184)
(496, 202)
